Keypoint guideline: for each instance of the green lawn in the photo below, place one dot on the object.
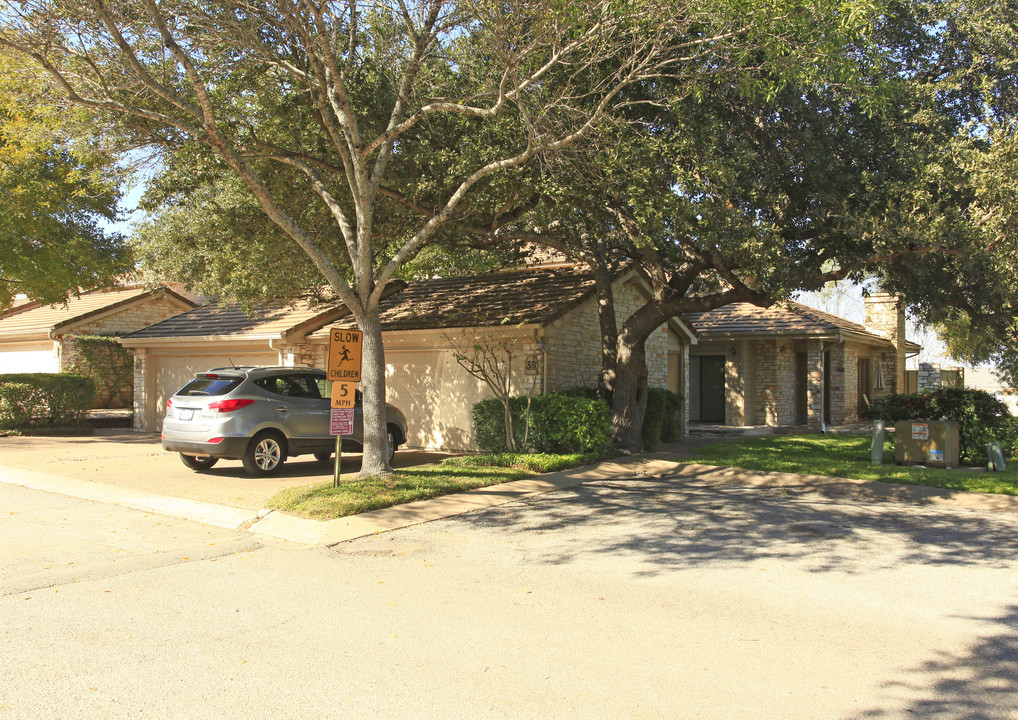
(848, 456)
(323, 502)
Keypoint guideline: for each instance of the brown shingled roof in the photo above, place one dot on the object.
(784, 318)
(224, 320)
(33, 317)
(518, 297)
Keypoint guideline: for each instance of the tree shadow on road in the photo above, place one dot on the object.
(980, 684)
(676, 522)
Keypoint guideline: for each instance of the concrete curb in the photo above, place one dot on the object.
(330, 532)
(848, 486)
(209, 513)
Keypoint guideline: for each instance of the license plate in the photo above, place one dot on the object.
(186, 414)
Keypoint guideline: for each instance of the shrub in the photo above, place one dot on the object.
(661, 421)
(44, 400)
(107, 362)
(981, 417)
(559, 422)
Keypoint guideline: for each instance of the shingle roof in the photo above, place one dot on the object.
(35, 317)
(518, 297)
(225, 320)
(786, 318)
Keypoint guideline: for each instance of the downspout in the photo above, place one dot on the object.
(59, 348)
(542, 348)
(279, 352)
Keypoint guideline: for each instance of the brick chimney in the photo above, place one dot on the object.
(885, 316)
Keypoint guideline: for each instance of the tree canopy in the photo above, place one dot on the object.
(55, 194)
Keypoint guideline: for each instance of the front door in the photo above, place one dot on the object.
(712, 388)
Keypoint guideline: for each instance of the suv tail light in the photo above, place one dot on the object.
(225, 406)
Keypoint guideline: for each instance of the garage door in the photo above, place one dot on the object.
(30, 358)
(436, 395)
(173, 372)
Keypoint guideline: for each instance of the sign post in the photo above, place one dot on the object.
(344, 370)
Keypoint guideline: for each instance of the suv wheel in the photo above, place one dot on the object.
(198, 463)
(390, 437)
(265, 454)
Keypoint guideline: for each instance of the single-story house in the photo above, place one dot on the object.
(32, 335)
(546, 316)
(792, 365)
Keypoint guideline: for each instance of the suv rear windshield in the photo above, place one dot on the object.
(210, 385)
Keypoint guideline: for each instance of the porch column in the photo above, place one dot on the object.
(140, 388)
(815, 384)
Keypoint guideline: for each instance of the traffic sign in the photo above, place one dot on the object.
(345, 355)
(344, 394)
(342, 422)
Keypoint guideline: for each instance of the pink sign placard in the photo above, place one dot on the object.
(342, 421)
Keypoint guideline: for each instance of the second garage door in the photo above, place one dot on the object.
(171, 372)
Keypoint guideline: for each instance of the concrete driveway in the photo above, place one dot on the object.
(136, 461)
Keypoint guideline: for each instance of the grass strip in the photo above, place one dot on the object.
(848, 456)
(321, 501)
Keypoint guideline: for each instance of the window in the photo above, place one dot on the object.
(210, 386)
(299, 386)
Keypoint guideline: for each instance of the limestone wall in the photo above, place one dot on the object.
(574, 344)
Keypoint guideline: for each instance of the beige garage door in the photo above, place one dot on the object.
(436, 395)
(29, 358)
(171, 373)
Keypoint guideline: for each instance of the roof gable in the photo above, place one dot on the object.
(33, 317)
(786, 318)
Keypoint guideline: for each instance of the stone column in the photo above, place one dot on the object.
(140, 388)
(885, 316)
(815, 384)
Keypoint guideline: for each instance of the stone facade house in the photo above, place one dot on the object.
(545, 316)
(792, 365)
(34, 337)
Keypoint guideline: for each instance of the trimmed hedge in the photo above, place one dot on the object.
(572, 420)
(981, 417)
(559, 422)
(33, 400)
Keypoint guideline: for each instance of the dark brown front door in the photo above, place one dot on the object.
(712, 388)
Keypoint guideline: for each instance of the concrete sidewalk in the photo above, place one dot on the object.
(671, 462)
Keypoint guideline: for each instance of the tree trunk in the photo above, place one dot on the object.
(629, 400)
(609, 330)
(375, 460)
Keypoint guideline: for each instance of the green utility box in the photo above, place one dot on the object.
(926, 442)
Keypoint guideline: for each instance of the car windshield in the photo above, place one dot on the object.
(210, 385)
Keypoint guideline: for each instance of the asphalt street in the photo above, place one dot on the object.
(642, 597)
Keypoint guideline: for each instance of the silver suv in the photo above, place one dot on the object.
(261, 415)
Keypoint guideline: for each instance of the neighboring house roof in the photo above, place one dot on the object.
(34, 318)
(216, 320)
(788, 319)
